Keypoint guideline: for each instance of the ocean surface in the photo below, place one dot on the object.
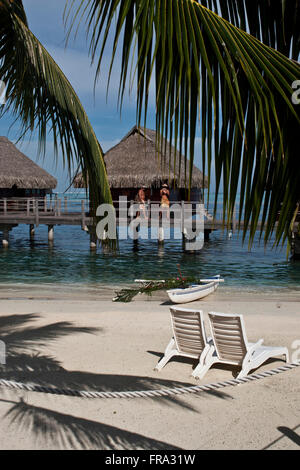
(68, 263)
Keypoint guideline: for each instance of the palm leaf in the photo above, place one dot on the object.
(207, 67)
(273, 22)
(41, 97)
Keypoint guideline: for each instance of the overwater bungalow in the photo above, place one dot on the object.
(137, 161)
(20, 177)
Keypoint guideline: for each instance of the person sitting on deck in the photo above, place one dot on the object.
(141, 200)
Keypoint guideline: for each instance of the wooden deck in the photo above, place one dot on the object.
(73, 212)
(63, 211)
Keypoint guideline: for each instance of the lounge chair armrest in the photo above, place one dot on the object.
(253, 347)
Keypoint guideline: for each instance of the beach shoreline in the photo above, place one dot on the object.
(107, 346)
(106, 292)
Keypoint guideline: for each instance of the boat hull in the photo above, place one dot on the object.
(190, 294)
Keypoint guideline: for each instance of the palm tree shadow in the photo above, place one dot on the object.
(67, 431)
(19, 337)
(8, 322)
(25, 364)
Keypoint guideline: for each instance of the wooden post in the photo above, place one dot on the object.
(5, 205)
(45, 204)
(28, 207)
(93, 239)
(104, 236)
(149, 212)
(206, 234)
(37, 213)
(31, 231)
(59, 207)
(65, 204)
(5, 239)
(50, 233)
(131, 212)
(83, 225)
(161, 235)
(182, 220)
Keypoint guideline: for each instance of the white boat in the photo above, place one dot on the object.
(195, 291)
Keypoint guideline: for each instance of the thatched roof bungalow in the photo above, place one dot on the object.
(20, 176)
(137, 161)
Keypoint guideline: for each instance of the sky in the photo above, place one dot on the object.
(46, 22)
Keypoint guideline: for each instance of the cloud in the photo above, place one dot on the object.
(46, 22)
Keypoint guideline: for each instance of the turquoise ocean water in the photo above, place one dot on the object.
(69, 262)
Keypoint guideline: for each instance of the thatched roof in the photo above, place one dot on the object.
(18, 170)
(136, 161)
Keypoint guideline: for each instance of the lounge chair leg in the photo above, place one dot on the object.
(197, 371)
(165, 359)
(243, 373)
(204, 365)
(200, 371)
(169, 353)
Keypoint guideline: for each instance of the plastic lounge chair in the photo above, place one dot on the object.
(232, 347)
(189, 337)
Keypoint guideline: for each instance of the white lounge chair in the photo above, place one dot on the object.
(189, 337)
(232, 347)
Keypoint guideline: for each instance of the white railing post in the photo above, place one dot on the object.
(82, 215)
(182, 217)
(37, 212)
(59, 207)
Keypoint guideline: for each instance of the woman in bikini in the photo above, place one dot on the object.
(164, 201)
(141, 200)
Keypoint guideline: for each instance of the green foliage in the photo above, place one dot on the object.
(42, 99)
(209, 70)
(127, 295)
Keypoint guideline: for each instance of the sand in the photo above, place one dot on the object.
(73, 342)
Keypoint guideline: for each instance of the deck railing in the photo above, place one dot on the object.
(76, 211)
(44, 206)
(62, 209)
(69, 206)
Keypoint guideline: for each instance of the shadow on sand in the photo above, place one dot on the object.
(25, 364)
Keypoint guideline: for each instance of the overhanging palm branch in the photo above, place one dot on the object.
(273, 22)
(209, 69)
(41, 97)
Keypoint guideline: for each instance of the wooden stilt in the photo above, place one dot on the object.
(161, 236)
(206, 235)
(50, 233)
(31, 231)
(5, 239)
(93, 239)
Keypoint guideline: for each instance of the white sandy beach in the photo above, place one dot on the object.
(72, 342)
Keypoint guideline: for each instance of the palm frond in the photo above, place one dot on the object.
(273, 22)
(210, 69)
(43, 100)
